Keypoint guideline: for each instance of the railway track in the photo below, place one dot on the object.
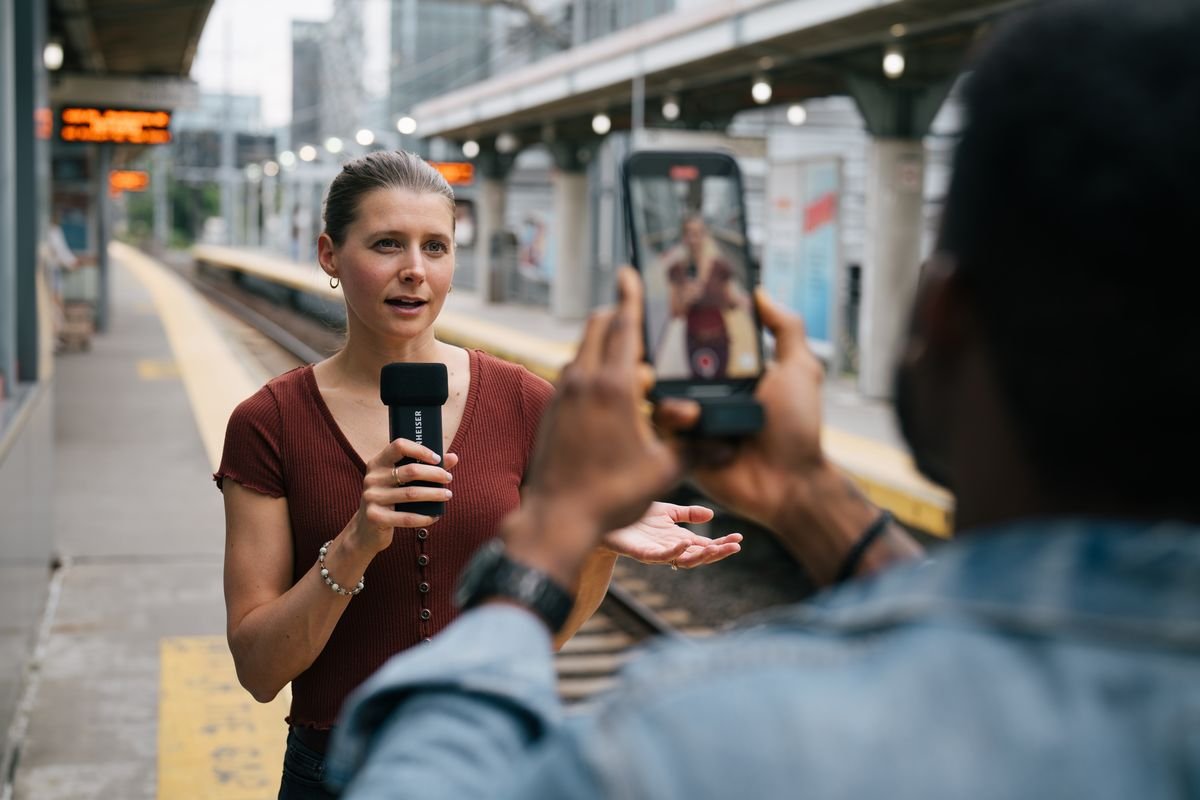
(281, 338)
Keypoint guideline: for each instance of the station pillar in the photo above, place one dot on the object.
(104, 160)
(490, 209)
(162, 203)
(570, 286)
(898, 117)
(289, 239)
(253, 235)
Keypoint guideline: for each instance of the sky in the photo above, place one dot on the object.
(255, 35)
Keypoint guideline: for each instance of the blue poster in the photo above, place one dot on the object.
(815, 292)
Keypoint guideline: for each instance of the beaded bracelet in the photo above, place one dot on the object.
(330, 582)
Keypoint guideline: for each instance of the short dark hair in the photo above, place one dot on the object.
(1074, 216)
(384, 169)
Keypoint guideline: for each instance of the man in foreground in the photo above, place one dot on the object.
(1052, 650)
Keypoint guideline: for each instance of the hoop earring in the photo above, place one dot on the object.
(335, 282)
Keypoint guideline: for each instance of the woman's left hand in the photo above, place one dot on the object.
(657, 538)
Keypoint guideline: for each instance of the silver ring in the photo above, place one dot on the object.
(674, 566)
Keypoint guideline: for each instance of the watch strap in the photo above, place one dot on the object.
(493, 574)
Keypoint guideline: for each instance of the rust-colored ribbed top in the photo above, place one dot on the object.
(283, 442)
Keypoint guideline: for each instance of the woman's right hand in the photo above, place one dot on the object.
(377, 518)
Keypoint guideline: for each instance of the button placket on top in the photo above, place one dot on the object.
(425, 615)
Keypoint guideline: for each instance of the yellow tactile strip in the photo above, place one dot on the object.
(215, 380)
(214, 741)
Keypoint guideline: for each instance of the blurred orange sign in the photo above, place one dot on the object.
(115, 125)
(128, 180)
(43, 123)
(456, 173)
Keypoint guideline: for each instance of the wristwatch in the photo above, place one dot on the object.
(491, 573)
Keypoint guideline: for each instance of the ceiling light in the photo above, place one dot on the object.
(365, 137)
(761, 90)
(893, 62)
(507, 143)
(797, 114)
(308, 153)
(52, 55)
(601, 124)
(333, 144)
(670, 108)
(470, 148)
(406, 125)
(270, 169)
(287, 158)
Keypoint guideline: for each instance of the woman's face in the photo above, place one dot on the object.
(396, 262)
(694, 233)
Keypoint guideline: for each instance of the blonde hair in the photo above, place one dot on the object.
(384, 169)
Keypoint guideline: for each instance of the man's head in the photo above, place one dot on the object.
(1067, 260)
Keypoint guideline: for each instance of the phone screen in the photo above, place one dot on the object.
(688, 234)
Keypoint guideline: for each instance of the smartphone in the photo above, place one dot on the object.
(686, 224)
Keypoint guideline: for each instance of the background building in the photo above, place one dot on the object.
(306, 82)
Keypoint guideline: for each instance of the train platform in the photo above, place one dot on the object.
(131, 692)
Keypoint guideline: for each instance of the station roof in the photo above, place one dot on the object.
(708, 56)
(129, 37)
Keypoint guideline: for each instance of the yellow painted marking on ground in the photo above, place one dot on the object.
(537, 355)
(889, 479)
(307, 278)
(215, 380)
(214, 741)
(157, 369)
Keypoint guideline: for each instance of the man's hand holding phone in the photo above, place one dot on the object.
(780, 476)
(758, 476)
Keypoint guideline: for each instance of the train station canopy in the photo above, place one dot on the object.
(134, 53)
(709, 55)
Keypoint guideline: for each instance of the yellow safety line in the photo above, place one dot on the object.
(215, 381)
(214, 741)
(154, 369)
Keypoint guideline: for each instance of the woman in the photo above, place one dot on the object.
(310, 484)
(709, 328)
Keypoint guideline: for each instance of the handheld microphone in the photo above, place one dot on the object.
(414, 395)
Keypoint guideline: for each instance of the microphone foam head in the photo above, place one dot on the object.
(405, 384)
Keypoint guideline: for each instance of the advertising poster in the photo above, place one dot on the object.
(801, 253)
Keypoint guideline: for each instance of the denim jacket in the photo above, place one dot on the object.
(1056, 658)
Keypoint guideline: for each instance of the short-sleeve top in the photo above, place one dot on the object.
(284, 442)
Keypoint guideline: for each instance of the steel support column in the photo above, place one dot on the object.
(490, 209)
(898, 118)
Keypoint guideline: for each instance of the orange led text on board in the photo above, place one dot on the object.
(456, 173)
(128, 180)
(119, 126)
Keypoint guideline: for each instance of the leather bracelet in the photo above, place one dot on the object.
(865, 540)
